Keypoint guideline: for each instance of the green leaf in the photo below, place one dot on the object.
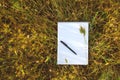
(16, 5)
(47, 59)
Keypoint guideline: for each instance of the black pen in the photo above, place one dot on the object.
(68, 47)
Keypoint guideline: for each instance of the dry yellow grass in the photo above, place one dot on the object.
(28, 39)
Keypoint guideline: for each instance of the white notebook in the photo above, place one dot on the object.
(72, 46)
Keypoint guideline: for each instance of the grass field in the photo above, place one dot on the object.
(28, 39)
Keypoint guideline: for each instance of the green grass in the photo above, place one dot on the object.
(28, 39)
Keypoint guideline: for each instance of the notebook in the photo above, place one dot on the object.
(72, 48)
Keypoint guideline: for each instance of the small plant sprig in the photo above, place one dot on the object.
(66, 60)
(82, 31)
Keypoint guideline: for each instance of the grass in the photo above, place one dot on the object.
(28, 39)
